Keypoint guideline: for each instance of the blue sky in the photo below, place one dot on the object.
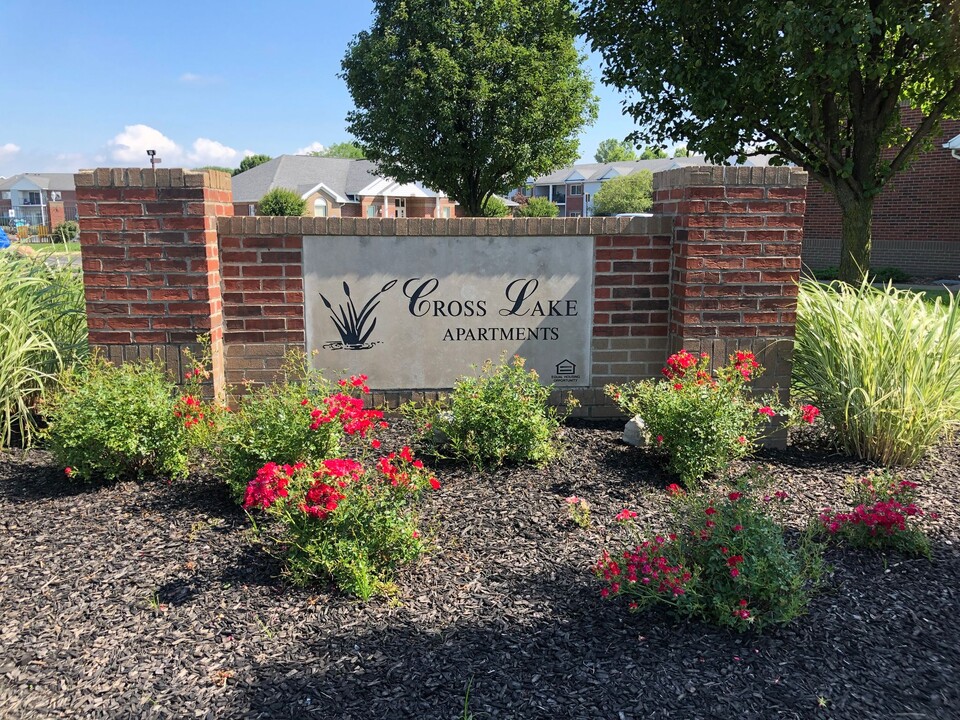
(94, 84)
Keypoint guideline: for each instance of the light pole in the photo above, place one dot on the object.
(153, 159)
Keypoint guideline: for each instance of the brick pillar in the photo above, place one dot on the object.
(151, 264)
(735, 262)
(56, 212)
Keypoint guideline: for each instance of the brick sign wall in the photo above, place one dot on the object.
(716, 270)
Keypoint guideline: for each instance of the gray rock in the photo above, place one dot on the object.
(635, 432)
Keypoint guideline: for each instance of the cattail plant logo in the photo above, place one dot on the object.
(354, 327)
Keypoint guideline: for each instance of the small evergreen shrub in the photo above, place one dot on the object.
(500, 416)
(495, 207)
(538, 207)
(112, 423)
(725, 561)
(281, 201)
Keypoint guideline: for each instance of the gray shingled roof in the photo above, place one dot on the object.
(594, 171)
(301, 173)
(46, 181)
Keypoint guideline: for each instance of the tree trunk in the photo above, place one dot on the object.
(857, 222)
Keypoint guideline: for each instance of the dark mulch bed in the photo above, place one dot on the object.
(149, 601)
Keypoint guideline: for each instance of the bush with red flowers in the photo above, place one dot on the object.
(884, 515)
(301, 418)
(348, 520)
(725, 561)
(700, 420)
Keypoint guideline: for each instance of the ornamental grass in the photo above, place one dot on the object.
(882, 365)
(43, 329)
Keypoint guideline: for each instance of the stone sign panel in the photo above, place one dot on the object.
(418, 312)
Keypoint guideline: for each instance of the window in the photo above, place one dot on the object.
(30, 198)
(575, 215)
(251, 209)
(320, 207)
(576, 189)
(372, 211)
(445, 212)
(559, 195)
(400, 207)
(5, 195)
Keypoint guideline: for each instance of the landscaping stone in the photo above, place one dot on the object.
(634, 432)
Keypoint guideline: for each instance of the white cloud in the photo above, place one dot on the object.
(211, 152)
(132, 144)
(312, 147)
(8, 150)
(190, 78)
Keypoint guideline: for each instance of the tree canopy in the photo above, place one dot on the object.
(631, 193)
(612, 150)
(349, 150)
(653, 152)
(251, 161)
(814, 83)
(471, 97)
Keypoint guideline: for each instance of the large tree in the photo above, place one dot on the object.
(471, 97)
(348, 150)
(817, 83)
(250, 162)
(612, 150)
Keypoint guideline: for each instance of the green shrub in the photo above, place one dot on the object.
(701, 422)
(273, 423)
(725, 561)
(495, 207)
(66, 231)
(281, 201)
(538, 207)
(43, 329)
(500, 416)
(882, 365)
(342, 520)
(884, 515)
(631, 193)
(115, 423)
(889, 275)
(876, 275)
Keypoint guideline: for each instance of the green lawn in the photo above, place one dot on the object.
(931, 296)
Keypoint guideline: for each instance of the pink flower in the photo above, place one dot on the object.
(810, 413)
(734, 496)
(734, 572)
(742, 440)
(572, 500)
(68, 471)
(304, 402)
(710, 511)
(766, 410)
(737, 528)
(659, 439)
(625, 515)
(434, 483)
(675, 490)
